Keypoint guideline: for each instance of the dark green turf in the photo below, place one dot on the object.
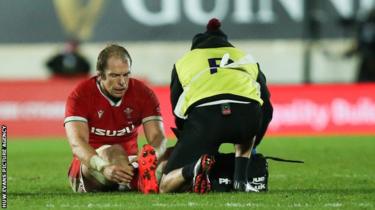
(339, 173)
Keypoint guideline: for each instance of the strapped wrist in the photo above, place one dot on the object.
(98, 163)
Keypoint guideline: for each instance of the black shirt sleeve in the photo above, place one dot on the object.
(267, 108)
(176, 91)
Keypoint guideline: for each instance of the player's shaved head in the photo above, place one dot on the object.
(112, 50)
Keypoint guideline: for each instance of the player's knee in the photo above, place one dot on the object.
(163, 185)
(116, 148)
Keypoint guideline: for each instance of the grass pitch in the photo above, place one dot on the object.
(339, 173)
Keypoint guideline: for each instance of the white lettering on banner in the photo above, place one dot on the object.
(265, 13)
(31, 110)
(339, 112)
(366, 5)
(294, 8)
(300, 113)
(8, 110)
(198, 16)
(243, 10)
(343, 112)
(344, 7)
(169, 12)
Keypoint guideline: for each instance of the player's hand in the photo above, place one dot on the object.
(119, 174)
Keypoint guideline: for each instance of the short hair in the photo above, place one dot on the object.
(112, 50)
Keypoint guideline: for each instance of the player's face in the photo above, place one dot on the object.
(116, 77)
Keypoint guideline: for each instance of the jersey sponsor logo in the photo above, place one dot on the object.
(104, 132)
(100, 113)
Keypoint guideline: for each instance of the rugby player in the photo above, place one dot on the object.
(221, 174)
(102, 118)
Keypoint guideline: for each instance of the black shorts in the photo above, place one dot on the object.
(208, 127)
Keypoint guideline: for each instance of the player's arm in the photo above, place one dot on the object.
(78, 137)
(154, 133)
(77, 130)
(152, 122)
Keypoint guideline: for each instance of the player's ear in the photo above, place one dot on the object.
(100, 75)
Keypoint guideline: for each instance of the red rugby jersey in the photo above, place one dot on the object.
(109, 122)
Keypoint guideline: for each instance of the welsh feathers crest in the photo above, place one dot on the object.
(100, 113)
(128, 112)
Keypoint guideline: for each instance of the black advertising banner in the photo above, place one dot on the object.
(137, 20)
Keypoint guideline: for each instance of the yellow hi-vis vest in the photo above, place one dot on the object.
(208, 72)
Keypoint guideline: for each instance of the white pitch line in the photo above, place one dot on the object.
(334, 205)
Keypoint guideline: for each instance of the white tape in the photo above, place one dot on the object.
(98, 163)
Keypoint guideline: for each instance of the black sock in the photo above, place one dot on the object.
(188, 172)
(240, 168)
